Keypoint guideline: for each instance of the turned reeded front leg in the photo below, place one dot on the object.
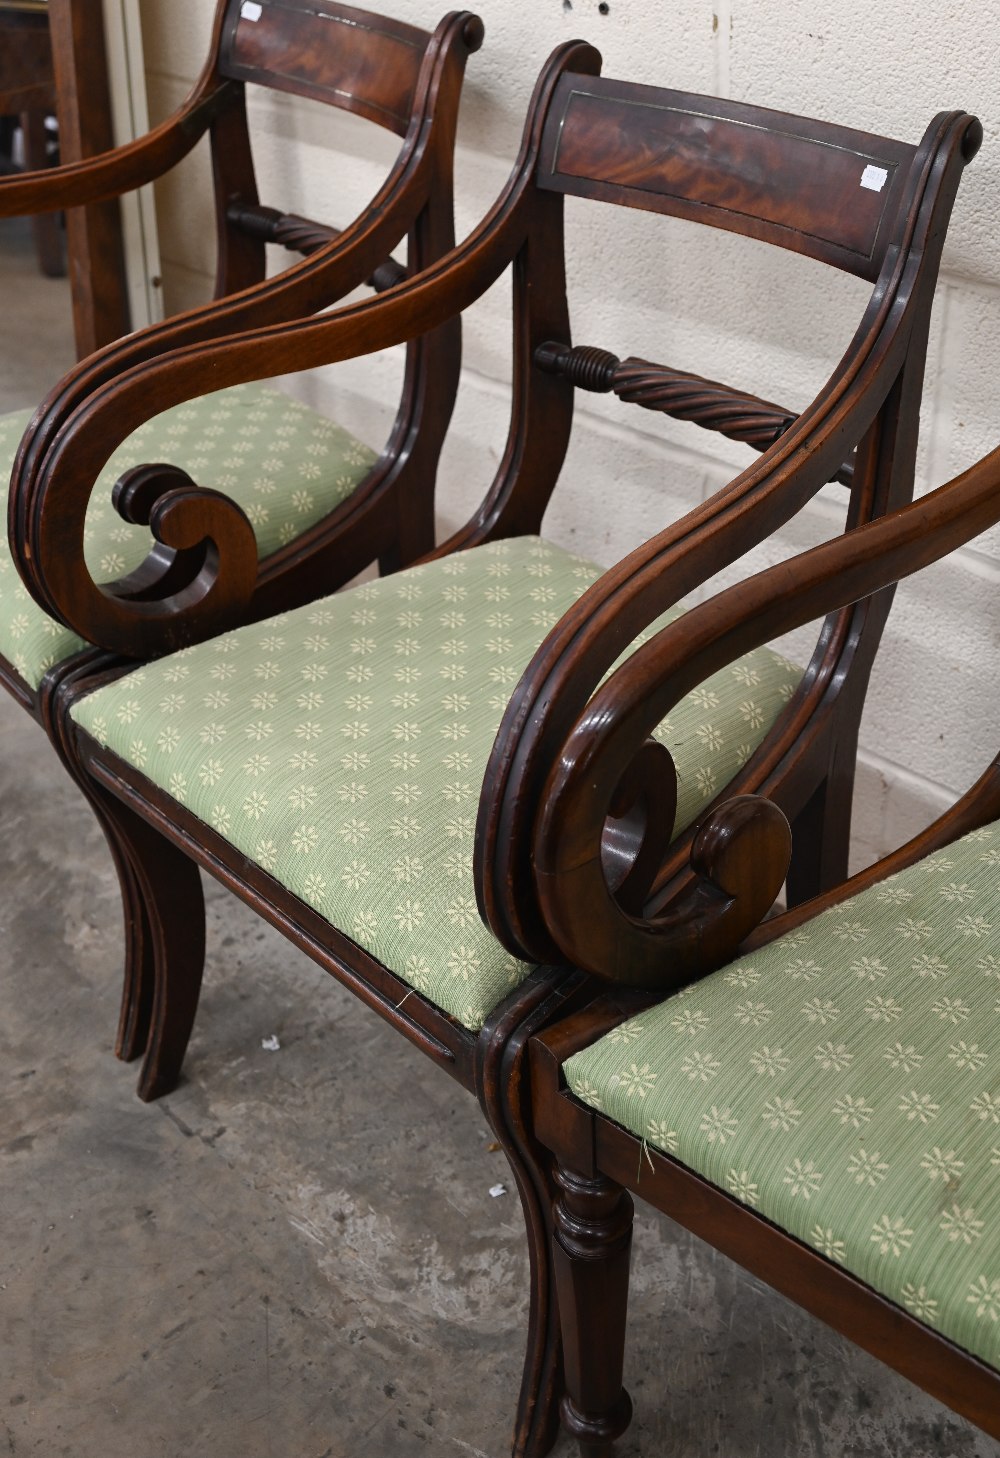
(591, 1249)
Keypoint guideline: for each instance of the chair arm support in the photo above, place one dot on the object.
(693, 936)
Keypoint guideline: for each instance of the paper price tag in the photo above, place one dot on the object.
(874, 178)
(250, 10)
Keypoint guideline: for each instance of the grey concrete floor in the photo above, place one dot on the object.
(296, 1255)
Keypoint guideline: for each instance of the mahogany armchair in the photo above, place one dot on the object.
(315, 505)
(326, 764)
(821, 1109)
(307, 505)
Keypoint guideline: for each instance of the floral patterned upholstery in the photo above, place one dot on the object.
(342, 747)
(845, 1082)
(284, 464)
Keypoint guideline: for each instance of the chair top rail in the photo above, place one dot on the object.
(372, 69)
(810, 186)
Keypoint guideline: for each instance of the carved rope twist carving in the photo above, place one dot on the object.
(302, 235)
(706, 402)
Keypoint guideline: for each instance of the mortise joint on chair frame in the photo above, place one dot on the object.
(707, 403)
(302, 235)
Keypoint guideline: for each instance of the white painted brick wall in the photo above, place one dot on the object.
(752, 315)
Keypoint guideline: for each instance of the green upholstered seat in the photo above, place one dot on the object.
(284, 464)
(845, 1082)
(342, 747)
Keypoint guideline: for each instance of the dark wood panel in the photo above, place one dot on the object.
(806, 185)
(371, 68)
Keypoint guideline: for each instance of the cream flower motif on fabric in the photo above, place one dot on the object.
(408, 869)
(417, 973)
(984, 1295)
(408, 915)
(893, 894)
(752, 1014)
(928, 964)
(701, 1067)
(803, 1179)
(869, 969)
(463, 912)
(463, 962)
(719, 1125)
(210, 773)
(891, 1236)
(743, 1187)
(867, 1167)
(850, 931)
(835, 1057)
(781, 1114)
(919, 1107)
(364, 928)
(744, 977)
(625, 1033)
(951, 1009)
(821, 1010)
(356, 874)
(266, 854)
(254, 805)
(827, 1244)
(962, 1225)
(314, 889)
(803, 969)
(986, 1106)
(658, 1132)
(907, 1059)
(967, 1055)
(705, 780)
(128, 712)
(883, 1009)
(914, 930)
(636, 1082)
(769, 1062)
(853, 1111)
(974, 926)
(352, 793)
(957, 891)
(943, 1164)
(989, 965)
(689, 1020)
(305, 840)
(586, 1092)
(178, 787)
(923, 1306)
(168, 739)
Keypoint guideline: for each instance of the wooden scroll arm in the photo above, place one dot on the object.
(51, 486)
(584, 645)
(125, 168)
(590, 925)
(345, 262)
